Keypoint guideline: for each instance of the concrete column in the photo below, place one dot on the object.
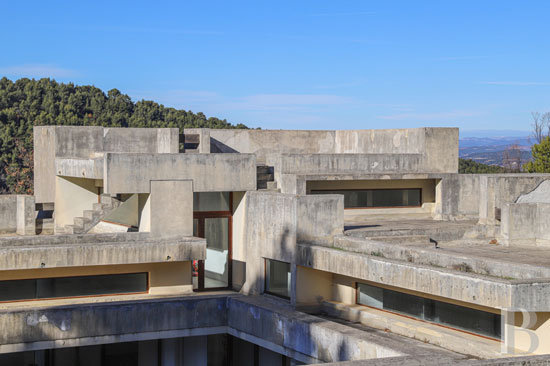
(26, 219)
(195, 351)
(171, 207)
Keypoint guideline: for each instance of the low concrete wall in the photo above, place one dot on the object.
(131, 173)
(492, 292)
(8, 213)
(17, 214)
(526, 224)
(96, 249)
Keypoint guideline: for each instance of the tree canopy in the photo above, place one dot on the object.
(469, 166)
(541, 157)
(28, 102)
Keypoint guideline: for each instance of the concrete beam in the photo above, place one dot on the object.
(131, 173)
(96, 249)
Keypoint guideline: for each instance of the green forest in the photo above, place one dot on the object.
(469, 166)
(26, 103)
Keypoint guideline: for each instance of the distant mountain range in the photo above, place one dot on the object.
(489, 147)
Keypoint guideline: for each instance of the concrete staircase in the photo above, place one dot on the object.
(265, 179)
(90, 218)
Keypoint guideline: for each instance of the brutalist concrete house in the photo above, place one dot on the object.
(250, 247)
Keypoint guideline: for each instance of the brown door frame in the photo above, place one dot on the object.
(201, 216)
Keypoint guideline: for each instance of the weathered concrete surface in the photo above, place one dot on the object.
(96, 249)
(526, 224)
(452, 284)
(439, 144)
(8, 213)
(26, 215)
(471, 256)
(171, 208)
(423, 331)
(204, 138)
(541, 194)
(91, 168)
(500, 189)
(276, 221)
(131, 173)
(430, 360)
(79, 142)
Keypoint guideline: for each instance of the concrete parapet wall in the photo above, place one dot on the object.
(96, 249)
(526, 224)
(17, 214)
(440, 143)
(131, 173)
(79, 167)
(79, 142)
(344, 163)
(470, 288)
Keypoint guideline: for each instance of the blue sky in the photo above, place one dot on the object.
(298, 64)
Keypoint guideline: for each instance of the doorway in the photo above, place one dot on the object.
(215, 226)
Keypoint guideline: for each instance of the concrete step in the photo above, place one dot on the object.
(73, 229)
(272, 185)
(82, 221)
(92, 214)
(277, 190)
(100, 207)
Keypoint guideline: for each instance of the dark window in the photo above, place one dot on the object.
(46, 288)
(365, 198)
(277, 278)
(439, 312)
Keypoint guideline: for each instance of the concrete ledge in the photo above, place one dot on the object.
(96, 249)
(91, 168)
(492, 292)
(440, 336)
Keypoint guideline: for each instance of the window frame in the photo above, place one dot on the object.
(371, 189)
(422, 320)
(147, 285)
(266, 291)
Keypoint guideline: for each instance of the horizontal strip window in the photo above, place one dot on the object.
(62, 287)
(373, 198)
(439, 312)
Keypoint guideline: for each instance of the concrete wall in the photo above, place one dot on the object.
(204, 138)
(51, 142)
(72, 197)
(8, 213)
(440, 143)
(131, 173)
(17, 214)
(276, 222)
(171, 207)
(526, 224)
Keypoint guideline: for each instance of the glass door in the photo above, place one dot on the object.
(215, 226)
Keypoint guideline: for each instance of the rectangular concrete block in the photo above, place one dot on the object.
(8, 209)
(172, 207)
(26, 220)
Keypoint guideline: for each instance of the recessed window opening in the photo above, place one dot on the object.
(277, 278)
(378, 198)
(63, 287)
(438, 312)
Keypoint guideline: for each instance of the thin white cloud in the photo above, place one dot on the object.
(439, 116)
(37, 71)
(515, 83)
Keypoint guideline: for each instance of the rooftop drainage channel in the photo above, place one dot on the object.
(439, 257)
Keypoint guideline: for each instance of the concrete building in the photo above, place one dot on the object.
(252, 247)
